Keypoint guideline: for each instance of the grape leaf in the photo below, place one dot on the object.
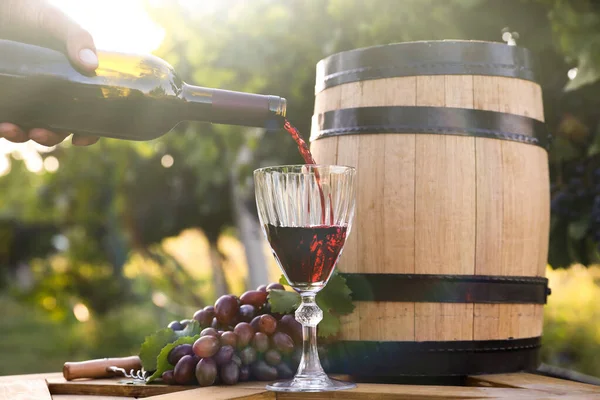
(192, 329)
(336, 296)
(329, 326)
(334, 299)
(154, 343)
(284, 281)
(162, 364)
(283, 302)
(152, 346)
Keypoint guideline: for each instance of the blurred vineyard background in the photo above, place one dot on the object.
(100, 246)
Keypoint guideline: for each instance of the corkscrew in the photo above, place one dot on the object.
(137, 376)
(108, 367)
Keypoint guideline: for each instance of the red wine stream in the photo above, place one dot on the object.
(308, 159)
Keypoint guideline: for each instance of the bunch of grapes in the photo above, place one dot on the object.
(577, 195)
(570, 198)
(241, 340)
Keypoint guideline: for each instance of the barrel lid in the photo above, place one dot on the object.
(439, 57)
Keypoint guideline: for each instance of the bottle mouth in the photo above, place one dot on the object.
(277, 105)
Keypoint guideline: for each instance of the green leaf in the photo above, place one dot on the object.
(329, 326)
(284, 281)
(192, 329)
(162, 364)
(283, 302)
(154, 343)
(579, 228)
(335, 296)
(152, 346)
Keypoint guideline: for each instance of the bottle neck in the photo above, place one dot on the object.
(232, 108)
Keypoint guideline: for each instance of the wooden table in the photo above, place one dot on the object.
(502, 386)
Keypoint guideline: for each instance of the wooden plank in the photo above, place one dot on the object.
(348, 155)
(533, 382)
(458, 91)
(488, 254)
(543, 211)
(246, 391)
(520, 233)
(445, 203)
(444, 210)
(443, 321)
(389, 392)
(24, 389)
(399, 184)
(86, 397)
(384, 321)
(398, 205)
(43, 375)
(324, 150)
(109, 387)
(519, 97)
(371, 93)
(370, 218)
(328, 100)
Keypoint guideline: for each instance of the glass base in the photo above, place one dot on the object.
(313, 384)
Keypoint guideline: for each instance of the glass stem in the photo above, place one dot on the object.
(309, 315)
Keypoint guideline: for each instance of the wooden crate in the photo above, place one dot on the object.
(501, 386)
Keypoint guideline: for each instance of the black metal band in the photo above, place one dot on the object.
(425, 58)
(447, 358)
(448, 288)
(430, 120)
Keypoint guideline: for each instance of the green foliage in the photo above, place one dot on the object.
(150, 350)
(576, 25)
(152, 346)
(162, 363)
(572, 320)
(283, 301)
(33, 341)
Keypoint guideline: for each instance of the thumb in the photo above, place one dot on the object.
(78, 44)
(40, 23)
(81, 49)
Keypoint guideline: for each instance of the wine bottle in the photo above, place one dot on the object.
(131, 97)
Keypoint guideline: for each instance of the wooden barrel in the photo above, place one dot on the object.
(448, 250)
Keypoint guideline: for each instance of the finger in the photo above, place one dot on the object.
(13, 133)
(79, 140)
(46, 137)
(78, 43)
(81, 49)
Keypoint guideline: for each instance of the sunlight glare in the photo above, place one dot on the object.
(116, 25)
(572, 73)
(167, 161)
(81, 312)
(34, 163)
(4, 165)
(51, 164)
(159, 299)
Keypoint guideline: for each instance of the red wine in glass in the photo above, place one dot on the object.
(307, 255)
(308, 159)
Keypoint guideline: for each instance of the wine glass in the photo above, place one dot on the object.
(306, 213)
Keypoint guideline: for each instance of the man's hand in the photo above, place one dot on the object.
(40, 23)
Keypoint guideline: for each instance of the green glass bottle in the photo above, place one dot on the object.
(131, 97)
